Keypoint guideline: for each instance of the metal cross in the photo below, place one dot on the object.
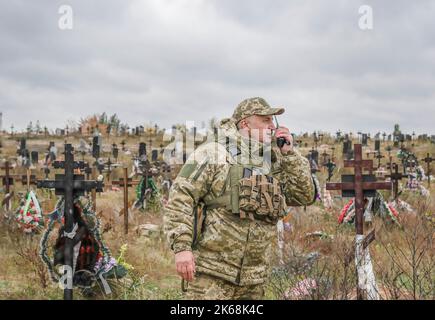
(331, 166)
(69, 185)
(395, 177)
(379, 156)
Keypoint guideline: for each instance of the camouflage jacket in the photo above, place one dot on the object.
(230, 248)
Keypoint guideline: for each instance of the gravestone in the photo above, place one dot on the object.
(154, 155)
(378, 145)
(35, 157)
(142, 149)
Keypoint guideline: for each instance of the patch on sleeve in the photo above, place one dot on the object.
(188, 169)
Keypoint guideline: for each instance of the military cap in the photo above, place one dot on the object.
(254, 106)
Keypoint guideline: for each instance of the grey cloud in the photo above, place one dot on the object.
(171, 61)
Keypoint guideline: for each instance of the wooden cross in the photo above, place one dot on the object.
(395, 177)
(359, 186)
(126, 182)
(69, 185)
(7, 178)
(428, 161)
(8, 181)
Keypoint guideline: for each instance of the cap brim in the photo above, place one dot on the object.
(274, 111)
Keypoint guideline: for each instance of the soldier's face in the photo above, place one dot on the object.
(259, 128)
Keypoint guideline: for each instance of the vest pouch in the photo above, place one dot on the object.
(248, 198)
(266, 203)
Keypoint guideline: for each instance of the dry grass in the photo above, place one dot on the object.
(403, 258)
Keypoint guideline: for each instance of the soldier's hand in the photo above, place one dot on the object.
(283, 132)
(185, 264)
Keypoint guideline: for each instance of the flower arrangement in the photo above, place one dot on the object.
(29, 216)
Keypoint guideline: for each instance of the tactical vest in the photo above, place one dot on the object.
(245, 194)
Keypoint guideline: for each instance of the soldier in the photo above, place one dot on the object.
(227, 199)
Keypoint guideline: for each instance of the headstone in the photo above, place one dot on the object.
(364, 139)
(26, 159)
(34, 156)
(53, 152)
(142, 149)
(154, 155)
(346, 146)
(95, 147)
(315, 156)
(115, 151)
(23, 144)
(377, 145)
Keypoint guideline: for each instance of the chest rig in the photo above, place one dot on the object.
(249, 193)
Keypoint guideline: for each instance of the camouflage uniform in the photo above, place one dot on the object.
(231, 250)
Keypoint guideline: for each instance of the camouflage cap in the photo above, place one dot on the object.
(254, 106)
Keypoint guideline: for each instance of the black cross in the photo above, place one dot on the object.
(428, 161)
(379, 156)
(69, 185)
(115, 151)
(331, 166)
(395, 177)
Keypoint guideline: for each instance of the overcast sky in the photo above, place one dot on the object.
(168, 61)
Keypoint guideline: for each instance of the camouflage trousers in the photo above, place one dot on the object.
(206, 287)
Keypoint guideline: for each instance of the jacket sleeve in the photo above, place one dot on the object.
(294, 172)
(192, 184)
